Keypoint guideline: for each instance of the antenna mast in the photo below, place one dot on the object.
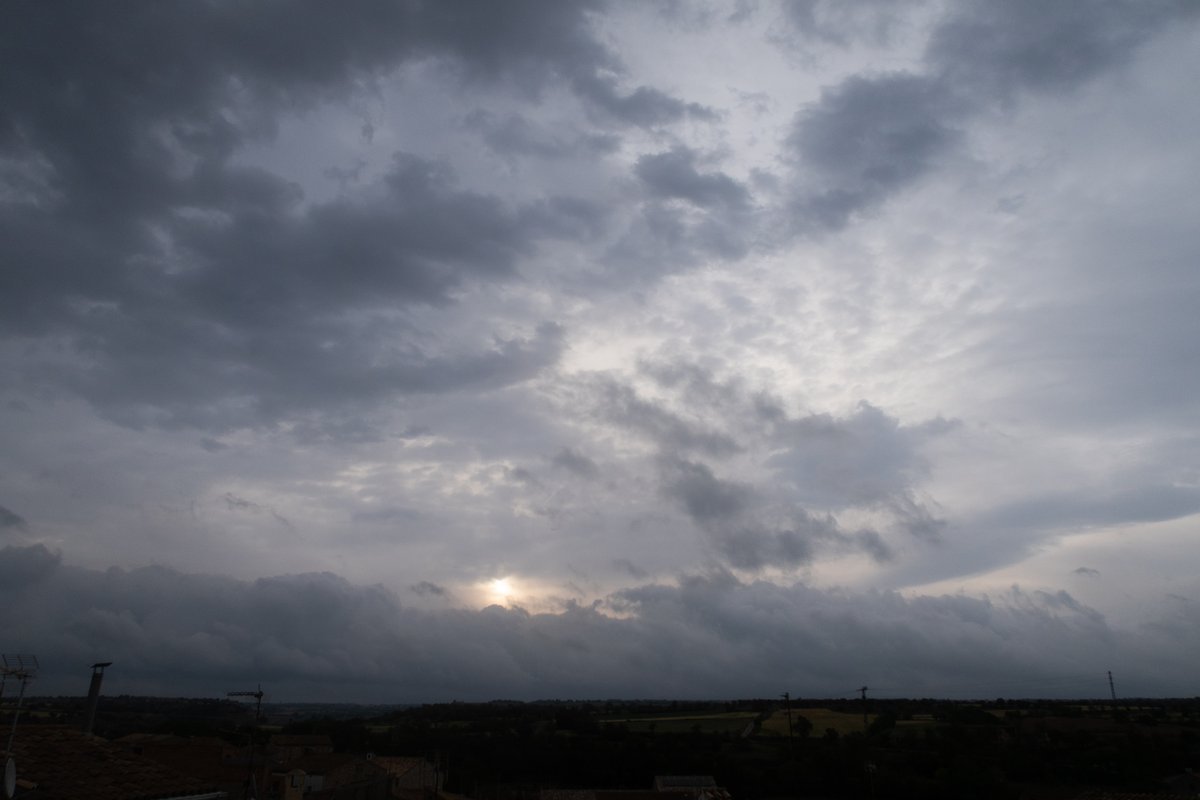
(257, 694)
(17, 666)
(787, 703)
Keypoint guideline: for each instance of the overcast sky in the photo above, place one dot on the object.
(402, 351)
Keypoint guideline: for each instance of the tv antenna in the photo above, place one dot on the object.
(22, 667)
(257, 694)
(787, 704)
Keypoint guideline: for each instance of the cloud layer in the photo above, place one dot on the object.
(774, 328)
(703, 636)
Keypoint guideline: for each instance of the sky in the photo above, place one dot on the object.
(403, 351)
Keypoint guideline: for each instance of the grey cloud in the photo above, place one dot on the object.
(663, 238)
(576, 463)
(870, 136)
(644, 106)
(846, 23)
(27, 565)
(673, 174)
(212, 445)
(748, 531)
(235, 503)
(818, 465)
(198, 292)
(1087, 572)
(169, 632)
(11, 519)
(622, 405)
(866, 458)
(866, 138)
(915, 518)
(388, 514)
(1150, 503)
(426, 588)
(632, 569)
(522, 476)
(564, 217)
(705, 498)
(332, 427)
(994, 49)
(515, 135)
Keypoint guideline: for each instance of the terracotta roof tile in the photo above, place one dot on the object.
(66, 764)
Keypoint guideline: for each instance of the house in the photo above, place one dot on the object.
(410, 778)
(318, 775)
(286, 748)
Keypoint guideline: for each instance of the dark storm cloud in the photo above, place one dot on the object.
(21, 565)
(872, 135)
(706, 636)
(11, 519)
(193, 291)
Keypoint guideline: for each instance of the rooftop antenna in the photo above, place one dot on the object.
(257, 694)
(94, 694)
(787, 703)
(23, 667)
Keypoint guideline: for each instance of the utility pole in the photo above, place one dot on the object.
(251, 784)
(787, 703)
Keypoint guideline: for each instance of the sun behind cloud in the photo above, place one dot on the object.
(500, 590)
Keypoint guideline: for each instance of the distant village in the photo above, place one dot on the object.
(238, 747)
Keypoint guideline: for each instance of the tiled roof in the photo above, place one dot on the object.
(669, 782)
(401, 765)
(299, 740)
(320, 763)
(66, 764)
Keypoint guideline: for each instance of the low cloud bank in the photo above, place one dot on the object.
(317, 636)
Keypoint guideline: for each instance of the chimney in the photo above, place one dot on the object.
(94, 694)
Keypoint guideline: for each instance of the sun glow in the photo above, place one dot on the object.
(501, 589)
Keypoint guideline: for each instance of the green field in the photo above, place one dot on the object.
(822, 719)
(729, 722)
